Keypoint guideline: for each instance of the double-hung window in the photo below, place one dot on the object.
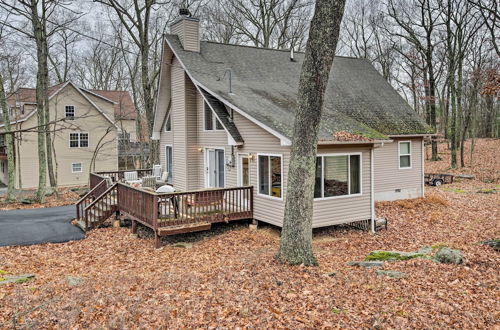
(78, 140)
(404, 154)
(69, 111)
(211, 121)
(337, 175)
(76, 168)
(270, 175)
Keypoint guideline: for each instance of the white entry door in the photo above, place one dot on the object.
(214, 171)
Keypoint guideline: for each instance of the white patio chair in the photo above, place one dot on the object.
(157, 171)
(163, 180)
(132, 178)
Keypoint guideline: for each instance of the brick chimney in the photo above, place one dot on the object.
(187, 29)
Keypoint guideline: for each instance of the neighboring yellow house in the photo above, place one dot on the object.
(87, 126)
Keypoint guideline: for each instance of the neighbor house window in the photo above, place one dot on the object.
(168, 124)
(2, 140)
(78, 140)
(337, 175)
(169, 162)
(70, 112)
(405, 154)
(270, 174)
(211, 121)
(76, 168)
(123, 137)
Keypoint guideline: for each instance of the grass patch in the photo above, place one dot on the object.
(23, 280)
(3, 272)
(388, 256)
(439, 246)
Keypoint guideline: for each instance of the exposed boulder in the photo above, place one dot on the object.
(392, 255)
(74, 281)
(366, 264)
(390, 273)
(16, 278)
(183, 245)
(445, 255)
(493, 243)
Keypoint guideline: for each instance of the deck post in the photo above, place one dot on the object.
(134, 227)
(157, 240)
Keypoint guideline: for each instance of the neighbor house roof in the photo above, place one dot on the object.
(264, 85)
(124, 106)
(28, 95)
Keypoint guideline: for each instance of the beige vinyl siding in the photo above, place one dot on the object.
(389, 177)
(193, 155)
(179, 126)
(92, 123)
(344, 209)
(188, 32)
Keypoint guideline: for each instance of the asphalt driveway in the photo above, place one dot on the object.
(36, 226)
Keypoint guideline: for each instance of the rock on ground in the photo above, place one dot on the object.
(446, 255)
(390, 273)
(366, 264)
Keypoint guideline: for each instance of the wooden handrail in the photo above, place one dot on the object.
(95, 202)
(84, 198)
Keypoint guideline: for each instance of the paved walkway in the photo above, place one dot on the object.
(36, 226)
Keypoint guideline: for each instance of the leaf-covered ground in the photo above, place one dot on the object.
(64, 196)
(230, 279)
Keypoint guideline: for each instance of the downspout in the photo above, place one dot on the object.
(372, 200)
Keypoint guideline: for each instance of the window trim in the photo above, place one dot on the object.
(360, 154)
(282, 177)
(81, 168)
(166, 121)
(399, 155)
(65, 112)
(79, 140)
(171, 174)
(215, 118)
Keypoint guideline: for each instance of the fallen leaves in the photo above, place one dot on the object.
(229, 277)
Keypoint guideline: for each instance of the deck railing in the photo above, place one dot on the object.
(181, 208)
(117, 176)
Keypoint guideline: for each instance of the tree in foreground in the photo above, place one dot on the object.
(9, 143)
(296, 235)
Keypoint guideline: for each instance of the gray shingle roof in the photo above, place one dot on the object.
(265, 82)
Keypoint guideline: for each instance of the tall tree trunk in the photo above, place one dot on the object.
(41, 92)
(9, 144)
(296, 235)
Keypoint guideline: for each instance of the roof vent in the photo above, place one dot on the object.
(292, 57)
(184, 12)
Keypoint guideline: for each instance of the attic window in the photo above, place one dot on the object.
(168, 124)
(70, 112)
(211, 121)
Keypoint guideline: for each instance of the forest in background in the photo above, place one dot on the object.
(442, 56)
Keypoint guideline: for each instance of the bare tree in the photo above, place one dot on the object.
(296, 235)
(145, 30)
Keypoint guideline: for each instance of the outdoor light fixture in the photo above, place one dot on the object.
(200, 149)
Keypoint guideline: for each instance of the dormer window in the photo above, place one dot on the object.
(211, 121)
(70, 112)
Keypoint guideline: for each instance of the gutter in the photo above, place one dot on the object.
(326, 142)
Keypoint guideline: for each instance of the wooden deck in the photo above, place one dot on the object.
(165, 213)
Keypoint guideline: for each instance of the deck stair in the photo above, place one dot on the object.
(97, 206)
